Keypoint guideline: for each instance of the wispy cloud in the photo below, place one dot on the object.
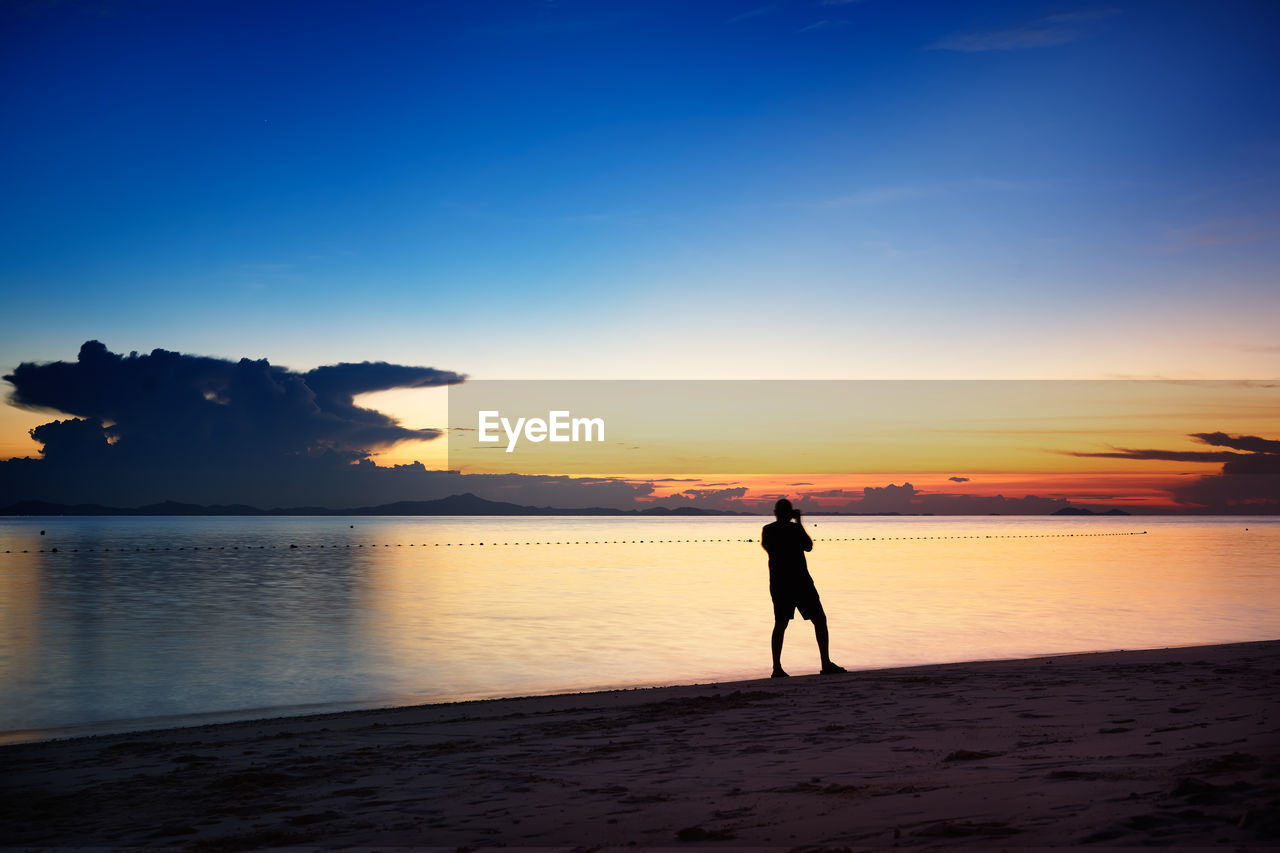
(1048, 31)
(551, 19)
(1247, 443)
(751, 13)
(1245, 453)
(829, 23)
(1224, 232)
(875, 196)
(1158, 455)
(823, 25)
(1249, 481)
(586, 217)
(265, 269)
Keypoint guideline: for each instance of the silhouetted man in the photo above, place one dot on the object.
(790, 585)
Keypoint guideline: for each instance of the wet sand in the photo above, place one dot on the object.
(1173, 747)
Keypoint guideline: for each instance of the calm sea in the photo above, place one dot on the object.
(141, 622)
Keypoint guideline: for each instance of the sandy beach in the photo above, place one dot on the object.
(1173, 747)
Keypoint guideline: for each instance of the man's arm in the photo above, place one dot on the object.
(806, 542)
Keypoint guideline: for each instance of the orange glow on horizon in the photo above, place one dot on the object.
(985, 442)
(15, 431)
(834, 491)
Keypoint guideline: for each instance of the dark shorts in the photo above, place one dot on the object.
(786, 603)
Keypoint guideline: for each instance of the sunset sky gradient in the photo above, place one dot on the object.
(646, 190)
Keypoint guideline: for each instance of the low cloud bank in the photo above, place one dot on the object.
(196, 429)
(1248, 483)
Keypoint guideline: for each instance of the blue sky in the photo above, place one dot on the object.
(648, 190)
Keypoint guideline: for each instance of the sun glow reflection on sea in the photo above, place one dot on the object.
(396, 610)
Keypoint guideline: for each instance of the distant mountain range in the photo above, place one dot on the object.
(464, 504)
(1079, 510)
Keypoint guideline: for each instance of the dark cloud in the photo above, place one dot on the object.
(1247, 443)
(907, 499)
(1232, 493)
(1255, 463)
(215, 409)
(168, 424)
(939, 504)
(352, 427)
(958, 479)
(904, 499)
(195, 429)
(1249, 481)
(562, 492)
(726, 499)
(888, 498)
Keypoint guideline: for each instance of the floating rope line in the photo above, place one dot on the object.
(295, 547)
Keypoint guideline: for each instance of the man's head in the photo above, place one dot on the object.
(782, 509)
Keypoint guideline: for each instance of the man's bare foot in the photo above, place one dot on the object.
(830, 668)
(778, 673)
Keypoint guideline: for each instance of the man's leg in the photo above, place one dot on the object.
(779, 630)
(824, 639)
(819, 619)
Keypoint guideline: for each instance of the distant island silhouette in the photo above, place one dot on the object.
(1079, 510)
(462, 504)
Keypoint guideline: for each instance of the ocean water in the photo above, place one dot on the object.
(142, 622)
